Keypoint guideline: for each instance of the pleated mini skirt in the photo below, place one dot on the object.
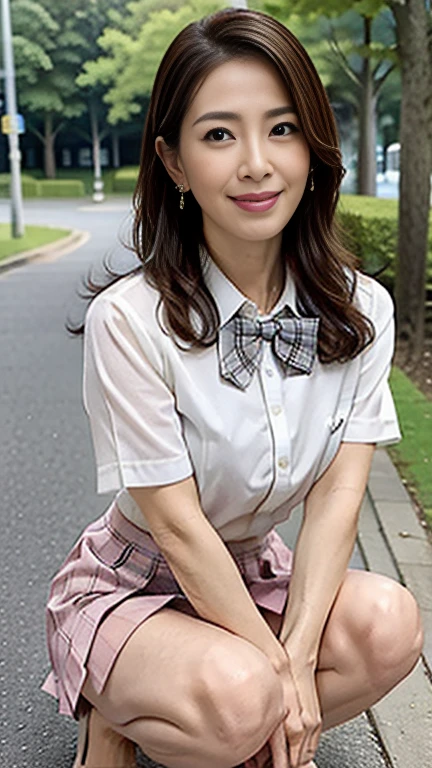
(113, 579)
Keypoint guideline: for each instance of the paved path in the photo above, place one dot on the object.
(48, 495)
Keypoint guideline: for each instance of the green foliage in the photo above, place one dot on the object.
(34, 38)
(30, 187)
(86, 175)
(334, 36)
(43, 188)
(370, 229)
(49, 49)
(61, 188)
(125, 179)
(330, 8)
(133, 52)
(413, 455)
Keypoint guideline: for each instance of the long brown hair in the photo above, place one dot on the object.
(167, 239)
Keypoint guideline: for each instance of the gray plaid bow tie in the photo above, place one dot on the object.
(293, 340)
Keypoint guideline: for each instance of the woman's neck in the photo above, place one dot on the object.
(259, 276)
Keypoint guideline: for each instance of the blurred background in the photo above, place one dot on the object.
(75, 82)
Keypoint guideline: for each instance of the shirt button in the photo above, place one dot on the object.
(276, 410)
(283, 462)
(249, 311)
(269, 371)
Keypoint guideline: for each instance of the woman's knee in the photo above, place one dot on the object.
(239, 695)
(389, 629)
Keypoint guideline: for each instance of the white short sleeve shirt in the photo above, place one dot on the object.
(159, 414)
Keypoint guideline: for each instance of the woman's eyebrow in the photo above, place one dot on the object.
(235, 116)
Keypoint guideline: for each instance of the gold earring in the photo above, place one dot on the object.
(312, 186)
(180, 188)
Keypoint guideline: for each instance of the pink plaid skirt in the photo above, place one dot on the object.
(116, 570)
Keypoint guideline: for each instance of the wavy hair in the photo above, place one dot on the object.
(167, 241)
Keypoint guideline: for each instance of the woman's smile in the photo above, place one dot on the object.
(236, 143)
(256, 206)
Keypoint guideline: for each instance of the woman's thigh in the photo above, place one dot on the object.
(183, 669)
(189, 671)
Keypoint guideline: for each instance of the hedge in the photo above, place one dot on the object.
(44, 188)
(125, 179)
(30, 186)
(370, 231)
(61, 188)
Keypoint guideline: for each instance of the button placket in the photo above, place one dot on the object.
(272, 386)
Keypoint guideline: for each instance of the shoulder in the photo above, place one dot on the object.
(130, 298)
(124, 317)
(371, 297)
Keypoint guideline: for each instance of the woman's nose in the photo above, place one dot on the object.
(255, 161)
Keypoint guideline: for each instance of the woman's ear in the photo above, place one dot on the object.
(171, 162)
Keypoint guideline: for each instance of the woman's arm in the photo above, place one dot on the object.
(209, 577)
(324, 548)
(203, 566)
(321, 557)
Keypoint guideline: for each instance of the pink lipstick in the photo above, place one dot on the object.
(256, 205)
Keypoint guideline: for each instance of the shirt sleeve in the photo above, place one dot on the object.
(373, 417)
(136, 430)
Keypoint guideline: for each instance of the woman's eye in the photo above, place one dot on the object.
(213, 131)
(293, 128)
(221, 131)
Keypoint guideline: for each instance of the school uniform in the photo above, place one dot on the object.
(256, 438)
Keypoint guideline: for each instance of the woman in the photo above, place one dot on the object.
(240, 370)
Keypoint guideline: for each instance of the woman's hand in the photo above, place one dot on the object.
(276, 753)
(303, 724)
(306, 746)
(294, 742)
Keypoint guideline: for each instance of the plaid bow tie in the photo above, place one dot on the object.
(293, 340)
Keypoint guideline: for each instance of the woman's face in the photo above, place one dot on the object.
(224, 156)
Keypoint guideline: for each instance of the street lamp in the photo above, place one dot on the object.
(11, 123)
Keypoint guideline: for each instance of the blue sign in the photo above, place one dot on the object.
(20, 124)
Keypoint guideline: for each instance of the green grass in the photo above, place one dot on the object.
(33, 238)
(413, 455)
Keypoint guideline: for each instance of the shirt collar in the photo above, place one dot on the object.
(229, 299)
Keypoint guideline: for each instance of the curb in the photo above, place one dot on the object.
(393, 542)
(53, 250)
(405, 539)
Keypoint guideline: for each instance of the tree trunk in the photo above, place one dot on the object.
(416, 165)
(366, 179)
(95, 139)
(116, 149)
(49, 142)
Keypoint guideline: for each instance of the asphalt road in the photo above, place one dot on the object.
(47, 480)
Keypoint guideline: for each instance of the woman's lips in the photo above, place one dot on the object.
(258, 205)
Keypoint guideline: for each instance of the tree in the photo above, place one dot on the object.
(93, 21)
(134, 48)
(414, 31)
(376, 60)
(363, 45)
(50, 49)
(32, 53)
(413, 28)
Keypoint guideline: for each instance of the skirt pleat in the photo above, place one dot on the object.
(113, 579)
